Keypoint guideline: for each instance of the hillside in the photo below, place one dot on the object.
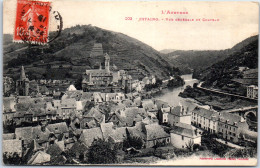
(244, 54)
(193, 59)
(69, 55)
(198, 60)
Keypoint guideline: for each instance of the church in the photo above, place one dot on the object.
(106, 80)
(22, 85)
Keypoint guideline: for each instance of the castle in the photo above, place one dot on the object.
(106, 80)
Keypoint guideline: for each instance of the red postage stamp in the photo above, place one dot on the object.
(32, 21)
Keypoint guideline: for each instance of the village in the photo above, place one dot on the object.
(62, 126)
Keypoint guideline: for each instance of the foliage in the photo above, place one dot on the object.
(190, 145)
(175, 82)
(242, 153)
(135, 142)
(157, 84)
(78, 83)
(13, 159)
(102, 152)
(220, 74)
(89, 105)
(216, 147)
(69, 156)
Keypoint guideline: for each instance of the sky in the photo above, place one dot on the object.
(236, 21)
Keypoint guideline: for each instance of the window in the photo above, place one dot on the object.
(182, 137)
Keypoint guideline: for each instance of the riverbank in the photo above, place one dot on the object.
(218, 102)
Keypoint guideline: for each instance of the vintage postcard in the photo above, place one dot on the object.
(161, 83)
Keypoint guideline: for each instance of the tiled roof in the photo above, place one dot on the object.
(77, 94)
(204, 112)
(131, 114)
(180, 111)
(11, 146)
(161, 104)
(136, 131)
(128, 103)
(155, 131)
(7, 102)
(98, 72)
(68, 103)
(58, 127)
(91, 121)
(54, 150)
(87, 96)
(8, 136)
(149, 105)
(185, 130)
(89, 135)
(109, 130)
(39, 158)
(232, 119)
(32, 133)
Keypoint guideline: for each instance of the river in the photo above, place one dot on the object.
(171, 96)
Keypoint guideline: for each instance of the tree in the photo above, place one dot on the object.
(135, 142)
(13, 159)
(102, 152)
(78, 83)
(190, 145)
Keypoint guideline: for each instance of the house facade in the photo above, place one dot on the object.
(252, 91)
(183, 135)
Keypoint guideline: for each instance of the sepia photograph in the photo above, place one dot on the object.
(130, 83)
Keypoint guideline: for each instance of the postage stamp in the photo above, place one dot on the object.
(32, 21)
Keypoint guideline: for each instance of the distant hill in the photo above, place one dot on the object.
(244, 54)
(167, 51)
(198, 60)
(69, 55)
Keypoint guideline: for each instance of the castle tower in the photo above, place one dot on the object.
(22, 85)
(107, 61)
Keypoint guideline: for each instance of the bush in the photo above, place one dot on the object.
(135, 142)
(102, 152)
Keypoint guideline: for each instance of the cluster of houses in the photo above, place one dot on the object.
(45, 126)
(51, 129)
(43, 134)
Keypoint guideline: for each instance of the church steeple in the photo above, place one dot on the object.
(107, 61)
(22, 85)
(22, 75)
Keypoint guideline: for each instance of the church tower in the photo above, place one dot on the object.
(22, 84)
(107, 61)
